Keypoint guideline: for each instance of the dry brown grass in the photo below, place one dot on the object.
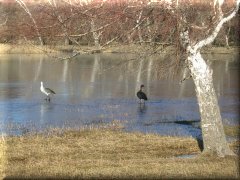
(2, 157)
(28, 48)
(102, 153)
(232, 130)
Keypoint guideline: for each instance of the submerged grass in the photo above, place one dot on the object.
(103, 153)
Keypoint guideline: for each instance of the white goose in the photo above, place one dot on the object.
(46, 91)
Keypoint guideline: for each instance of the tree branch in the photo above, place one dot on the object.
(211, 38)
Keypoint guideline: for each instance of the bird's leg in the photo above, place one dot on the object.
(47, 98)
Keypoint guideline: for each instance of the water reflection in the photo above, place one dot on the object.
(39, 69)
(99, 88)
(139, 73)
(65, 71)
(142, 108)
(149, 73)
(45, 107)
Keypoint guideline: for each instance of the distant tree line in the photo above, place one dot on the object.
(99, 23)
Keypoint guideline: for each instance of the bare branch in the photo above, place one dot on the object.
(211, 38)
(89, 32)
(24, 6)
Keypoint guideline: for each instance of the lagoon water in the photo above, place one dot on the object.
(94, 90)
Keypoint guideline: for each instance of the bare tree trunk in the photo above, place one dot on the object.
(214, 138)
(95, 35)
(139, 28)
(212, 128)
(129, 37)
(227, 35)
(149, 30)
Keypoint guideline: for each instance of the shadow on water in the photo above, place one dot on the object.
(193, 123)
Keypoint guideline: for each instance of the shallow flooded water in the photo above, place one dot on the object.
(98, 89)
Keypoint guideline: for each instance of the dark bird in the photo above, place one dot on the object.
(46, 91)
(141, 95)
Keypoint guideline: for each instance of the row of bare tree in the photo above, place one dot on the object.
(101, 22)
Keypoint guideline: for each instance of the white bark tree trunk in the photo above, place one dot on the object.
(227, 36)
(212, 128)
(214, 138)
(95, 35)
(149, 31)
(139, 28)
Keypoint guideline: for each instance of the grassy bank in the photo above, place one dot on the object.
(117, 48)
(103, 153)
